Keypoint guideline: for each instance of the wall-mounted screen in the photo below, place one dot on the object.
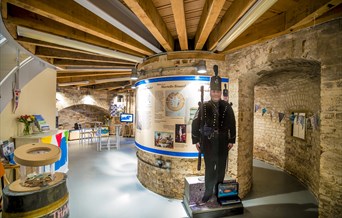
(126, 118)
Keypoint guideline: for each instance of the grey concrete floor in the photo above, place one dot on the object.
(104, 184)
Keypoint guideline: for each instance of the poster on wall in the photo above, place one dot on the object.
(180, 133)
(165, 108)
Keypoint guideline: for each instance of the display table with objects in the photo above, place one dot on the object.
(193, 193)
(40, 191)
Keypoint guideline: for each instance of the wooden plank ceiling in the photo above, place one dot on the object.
(174, 25)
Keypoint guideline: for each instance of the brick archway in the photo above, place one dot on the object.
(82, 113)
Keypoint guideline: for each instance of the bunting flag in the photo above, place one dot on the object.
(46, 139)
(292, 118)
(300, 119)
(317, 119)
(256, 108)
(61, 140)
(314, 123)
(264, 110)
(271, 114)
(16, 93)
(281, 116)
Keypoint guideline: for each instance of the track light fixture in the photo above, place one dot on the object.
(134, 75)
(133, 86)
(201, 67)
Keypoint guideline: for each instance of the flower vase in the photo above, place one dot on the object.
(26, 130)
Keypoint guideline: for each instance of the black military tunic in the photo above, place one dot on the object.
(219, 130)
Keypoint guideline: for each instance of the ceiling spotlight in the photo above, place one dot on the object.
(201, 67)
(133, 86)
(134, 75)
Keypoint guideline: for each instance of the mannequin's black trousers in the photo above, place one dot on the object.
(215, 159)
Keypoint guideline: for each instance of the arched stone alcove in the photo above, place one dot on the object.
(82, 113)
(321, 48)
(284, 87)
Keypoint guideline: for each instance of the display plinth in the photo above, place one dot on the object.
(49, 201)
(193, 193)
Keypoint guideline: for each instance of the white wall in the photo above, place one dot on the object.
(38, 96)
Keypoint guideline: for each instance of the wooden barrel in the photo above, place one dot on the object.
(50, 201)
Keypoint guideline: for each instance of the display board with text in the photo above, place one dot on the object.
(165, 107)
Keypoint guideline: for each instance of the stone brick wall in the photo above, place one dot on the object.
(82, 114)
(169, 183)
(329, 45)
(82, 106)
(318, 44)
(70, 96)
(296, 91)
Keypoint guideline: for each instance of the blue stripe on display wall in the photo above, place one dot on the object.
(177, 78)
(169, 153)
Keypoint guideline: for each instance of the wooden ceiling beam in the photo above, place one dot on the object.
(60, 54)
(236, 10)
(91, 74)
(66, 62)
(179, 17)
(4, 9)
(150, 17)
(43, 24)
(74, 15)
(90, 79)
(281, 24)
(111, 85)
(210, 13)
(308, 11)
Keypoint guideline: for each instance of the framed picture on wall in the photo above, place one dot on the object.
(298, 125)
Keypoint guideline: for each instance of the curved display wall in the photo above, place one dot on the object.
(165, 108)
(167, 97)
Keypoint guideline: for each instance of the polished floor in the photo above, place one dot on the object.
(104, 185)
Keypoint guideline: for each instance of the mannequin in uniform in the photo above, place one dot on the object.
(218, 135)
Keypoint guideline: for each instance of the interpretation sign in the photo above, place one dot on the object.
(165, 107)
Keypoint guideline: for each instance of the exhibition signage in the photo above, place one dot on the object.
(165, 107)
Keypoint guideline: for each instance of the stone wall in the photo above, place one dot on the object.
(69, 96)
(287, 92)
(318, 44)
(329, 44)
(85, 105)
(169, 183)
(82, 105)
(82, 114)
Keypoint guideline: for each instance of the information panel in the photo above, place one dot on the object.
(165, 107)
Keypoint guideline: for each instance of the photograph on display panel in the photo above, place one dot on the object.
(180, 133)
(163, 139)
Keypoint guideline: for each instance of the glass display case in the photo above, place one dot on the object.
(37, 163)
